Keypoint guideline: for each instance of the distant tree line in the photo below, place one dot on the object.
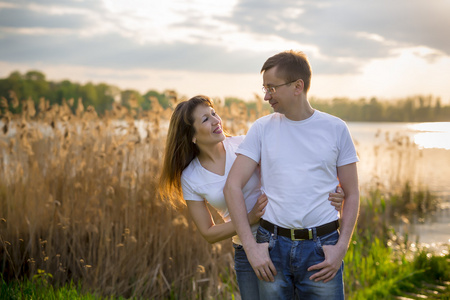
(33, 86)
(410, 109)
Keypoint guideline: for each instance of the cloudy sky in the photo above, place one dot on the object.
(383, 48)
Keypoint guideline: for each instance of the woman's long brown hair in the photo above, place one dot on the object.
(179, 150)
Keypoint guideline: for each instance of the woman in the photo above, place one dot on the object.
(198, 157)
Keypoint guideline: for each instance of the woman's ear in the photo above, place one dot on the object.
(194, 140)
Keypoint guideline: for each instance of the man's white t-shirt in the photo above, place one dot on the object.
(199, 184)
(299, 161)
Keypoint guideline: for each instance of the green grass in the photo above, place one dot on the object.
(376, 271)
(382, 265)
(37, 290)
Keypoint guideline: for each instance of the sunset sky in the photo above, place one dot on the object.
(386, 49)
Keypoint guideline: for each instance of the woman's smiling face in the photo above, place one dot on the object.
(207, 125)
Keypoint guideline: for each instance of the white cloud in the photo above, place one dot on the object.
(161, 21)
(355, 48)
(37, 31)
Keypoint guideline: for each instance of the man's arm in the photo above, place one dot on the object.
(258, 254)
(213, 232)
(348, 178)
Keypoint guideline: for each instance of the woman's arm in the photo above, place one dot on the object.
(337, 198)
(212, 232)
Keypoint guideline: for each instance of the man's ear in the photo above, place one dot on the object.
(299, 86)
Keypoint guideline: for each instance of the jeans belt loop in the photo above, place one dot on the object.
(275, 233)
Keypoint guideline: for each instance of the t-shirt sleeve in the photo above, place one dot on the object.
(234, 141)
(188, 191)
(251, 146)
(347, 153)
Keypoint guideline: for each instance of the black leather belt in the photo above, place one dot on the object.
(300, 234)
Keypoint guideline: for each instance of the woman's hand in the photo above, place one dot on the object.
(337, 198)
(258, 210)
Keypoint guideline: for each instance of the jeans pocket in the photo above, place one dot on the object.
(325, 240)
(265, 236)
(262, 235)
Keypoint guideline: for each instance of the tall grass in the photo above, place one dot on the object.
(78, 201)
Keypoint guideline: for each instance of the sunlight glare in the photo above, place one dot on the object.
(388, 78)
(432, 135)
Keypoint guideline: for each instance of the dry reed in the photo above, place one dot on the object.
(78, 200)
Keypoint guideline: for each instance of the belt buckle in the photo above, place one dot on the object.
(310, 235)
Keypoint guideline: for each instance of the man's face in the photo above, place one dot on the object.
(282, 99)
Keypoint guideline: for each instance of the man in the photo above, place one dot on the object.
(303, 155)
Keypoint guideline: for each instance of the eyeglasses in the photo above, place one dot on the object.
(272, 89)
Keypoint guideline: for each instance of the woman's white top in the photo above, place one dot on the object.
(199, 184)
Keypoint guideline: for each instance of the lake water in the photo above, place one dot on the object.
(391, 153)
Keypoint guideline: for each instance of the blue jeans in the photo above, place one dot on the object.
(246, 277)
(291, 260)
